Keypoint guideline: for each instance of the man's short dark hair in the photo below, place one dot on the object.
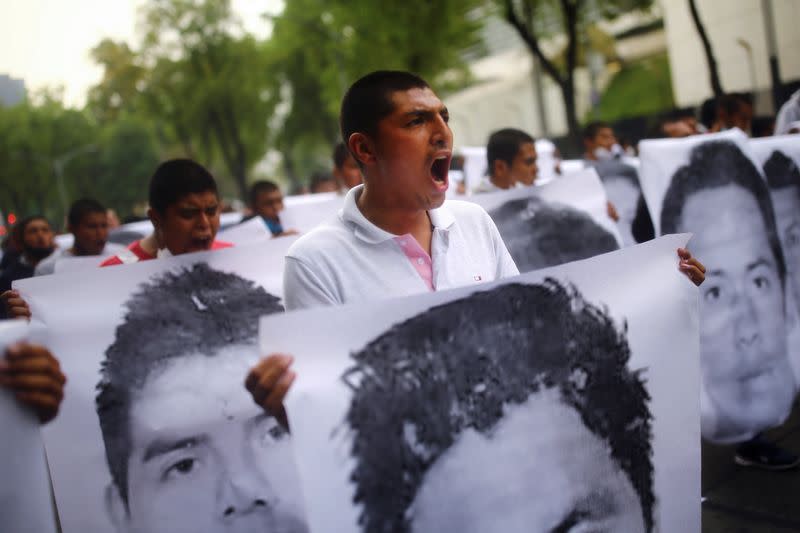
(539, 234)
(340, 155)
(712, 165)
(318, 179)
(260, 187)
(591, 130)
(176, 178)
(419, 385)
(197, 310)
(18, 231)
(731, 103)
(781, 171)
(369, 100)
(81, 208)
(504, 145)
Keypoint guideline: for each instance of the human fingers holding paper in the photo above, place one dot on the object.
(16, 306)
(269, 381)
(35, 377)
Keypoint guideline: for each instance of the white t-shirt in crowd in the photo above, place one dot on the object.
(349, 259)
(47, 265)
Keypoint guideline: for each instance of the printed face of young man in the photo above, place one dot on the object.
(787, 215)
(186, 476)
(413, 148)
(742, 326)
(625, 197)
(91, 234)
(190, 224)
(540, 469)
(269, 205)
(523, 167)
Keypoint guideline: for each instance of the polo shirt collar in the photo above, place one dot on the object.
(441, 218)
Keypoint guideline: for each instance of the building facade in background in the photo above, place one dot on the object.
(12, 91)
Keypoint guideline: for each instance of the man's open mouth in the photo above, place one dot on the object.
(440, 168)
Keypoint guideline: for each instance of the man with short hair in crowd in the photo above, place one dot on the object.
(395, 235)
(511, 159)
(184, 210)
(346, 171)
(87, 220)
(600, 143)
(734, 110)
(322, 182)
(266, 201)
(33, 238)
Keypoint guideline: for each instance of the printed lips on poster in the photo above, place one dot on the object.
(712, 186)
(157, 432)
(400, 412)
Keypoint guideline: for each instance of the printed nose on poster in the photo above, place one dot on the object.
(241, 494)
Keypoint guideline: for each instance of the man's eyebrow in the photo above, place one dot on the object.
(164, 446)
(760, 262)
(597, 505)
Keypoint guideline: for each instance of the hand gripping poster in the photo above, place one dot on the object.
(157, 432)
(545, 402)
(711, 185)
(562, 221)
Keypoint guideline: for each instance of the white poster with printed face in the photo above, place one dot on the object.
(565, 220)
(779, 158)
(711, 185)
(157, 432)
(545, 402)
(25, 504)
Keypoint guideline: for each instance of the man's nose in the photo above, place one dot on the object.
(241, 493)
(442, 135)
(745, 323)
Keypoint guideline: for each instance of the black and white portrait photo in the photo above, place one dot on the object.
(540, 404)
(500, 378)
(621, 182)
(540, 234)
(157, 433)
(565, 220)
(718, 194)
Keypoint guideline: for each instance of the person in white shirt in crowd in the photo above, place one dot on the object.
(789, 116)
(511, 158)
(395, 235)
(87, 220)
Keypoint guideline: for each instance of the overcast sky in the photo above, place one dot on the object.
(47, 42)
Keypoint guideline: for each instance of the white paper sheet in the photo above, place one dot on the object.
(640, 290)
(712, 186)
(565, 220)
(25, 504)
(230, 464)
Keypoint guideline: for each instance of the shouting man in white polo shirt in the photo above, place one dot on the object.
(395, 235)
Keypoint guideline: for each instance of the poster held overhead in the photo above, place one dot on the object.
(710, 185)
(562, 380)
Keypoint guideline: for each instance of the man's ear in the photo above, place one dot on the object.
(116, 509)
(362, 148)
(154, 217)
(500, 168)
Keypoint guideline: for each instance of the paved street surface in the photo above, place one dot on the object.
(746, 500)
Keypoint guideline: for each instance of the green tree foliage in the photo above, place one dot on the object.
(536, 20)
(320, 47)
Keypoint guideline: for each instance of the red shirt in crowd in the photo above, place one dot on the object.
(136, 253)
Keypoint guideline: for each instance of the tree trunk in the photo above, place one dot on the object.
(713, 71)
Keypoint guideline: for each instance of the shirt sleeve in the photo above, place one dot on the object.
(303, 288)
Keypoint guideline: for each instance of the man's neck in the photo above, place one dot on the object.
(500, 183)
(396, 220)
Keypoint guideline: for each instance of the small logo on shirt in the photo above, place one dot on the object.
(477, 278)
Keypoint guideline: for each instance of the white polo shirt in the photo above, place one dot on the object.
(349, 259)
